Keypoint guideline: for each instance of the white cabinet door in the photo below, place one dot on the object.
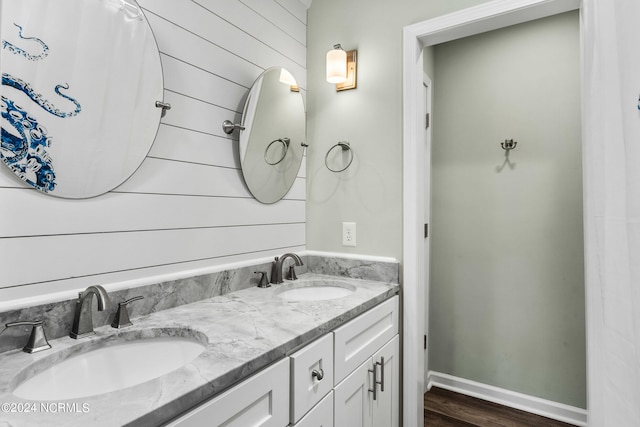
(260, 401)
(385, 409)
(352, 400)
(357, 340)
(355, 404)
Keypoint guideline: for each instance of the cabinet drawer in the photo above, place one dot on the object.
(311, 375)
(357, 340)
(260, 401)
(321, 415)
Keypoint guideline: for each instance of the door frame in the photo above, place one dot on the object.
(489, 16)
(427, 85)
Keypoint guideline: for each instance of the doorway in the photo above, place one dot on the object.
(476, 20)
(507, 266)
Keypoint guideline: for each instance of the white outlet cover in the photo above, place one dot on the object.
(348, 234)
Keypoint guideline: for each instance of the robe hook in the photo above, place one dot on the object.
(509, 144)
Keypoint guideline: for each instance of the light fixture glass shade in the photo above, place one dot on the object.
(336, 66)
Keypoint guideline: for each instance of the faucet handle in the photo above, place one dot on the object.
(121, 319)
(264, 281)
(37, 340)
(291, 275)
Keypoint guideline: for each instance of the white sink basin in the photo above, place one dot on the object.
(110, 368)
(315, 290)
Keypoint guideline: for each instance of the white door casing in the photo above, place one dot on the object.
(424, 294)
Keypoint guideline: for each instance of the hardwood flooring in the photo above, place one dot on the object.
(443, 408)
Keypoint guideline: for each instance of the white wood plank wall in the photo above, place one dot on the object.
(186, 209)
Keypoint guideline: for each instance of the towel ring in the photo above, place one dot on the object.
(285, 142)
(345, 146)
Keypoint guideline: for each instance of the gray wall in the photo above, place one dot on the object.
(507, 283)
(369, 117)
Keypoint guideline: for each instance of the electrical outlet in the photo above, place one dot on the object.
(348, 234)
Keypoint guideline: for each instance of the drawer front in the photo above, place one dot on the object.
(311, 375)
(321, 415)
(357, 340)
(260, 401)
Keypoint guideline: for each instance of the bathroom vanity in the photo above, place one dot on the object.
(350, 375)
(277, 356)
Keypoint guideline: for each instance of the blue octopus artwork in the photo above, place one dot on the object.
(25, 148)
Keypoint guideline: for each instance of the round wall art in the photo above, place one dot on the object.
(80, 82)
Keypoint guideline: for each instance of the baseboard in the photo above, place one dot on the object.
(512, 399)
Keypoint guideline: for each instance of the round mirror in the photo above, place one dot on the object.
(80, 81)
(271, 143)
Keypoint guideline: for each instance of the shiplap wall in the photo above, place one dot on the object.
(186, 209)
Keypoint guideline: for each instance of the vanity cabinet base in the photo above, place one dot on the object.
(328, 383)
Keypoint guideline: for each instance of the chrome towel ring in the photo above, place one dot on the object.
(345, 146)
(285, 142)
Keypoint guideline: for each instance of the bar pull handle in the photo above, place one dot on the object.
(375, 381)
(381, 382)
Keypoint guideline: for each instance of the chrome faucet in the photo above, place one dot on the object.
(83, 321)
(276, 267)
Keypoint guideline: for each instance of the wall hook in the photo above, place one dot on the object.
(509, 144)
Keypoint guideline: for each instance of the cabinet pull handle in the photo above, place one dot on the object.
(318, 374)
(375, 381)
(381, 382)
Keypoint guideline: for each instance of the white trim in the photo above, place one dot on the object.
(412, 313)
(535, 405)
(485, 17)
(370, 258)
(428, 93)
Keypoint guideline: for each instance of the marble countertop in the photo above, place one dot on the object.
(244, 331)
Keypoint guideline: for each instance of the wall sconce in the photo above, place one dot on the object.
(341, 68)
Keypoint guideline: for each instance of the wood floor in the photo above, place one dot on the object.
(443, 408)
